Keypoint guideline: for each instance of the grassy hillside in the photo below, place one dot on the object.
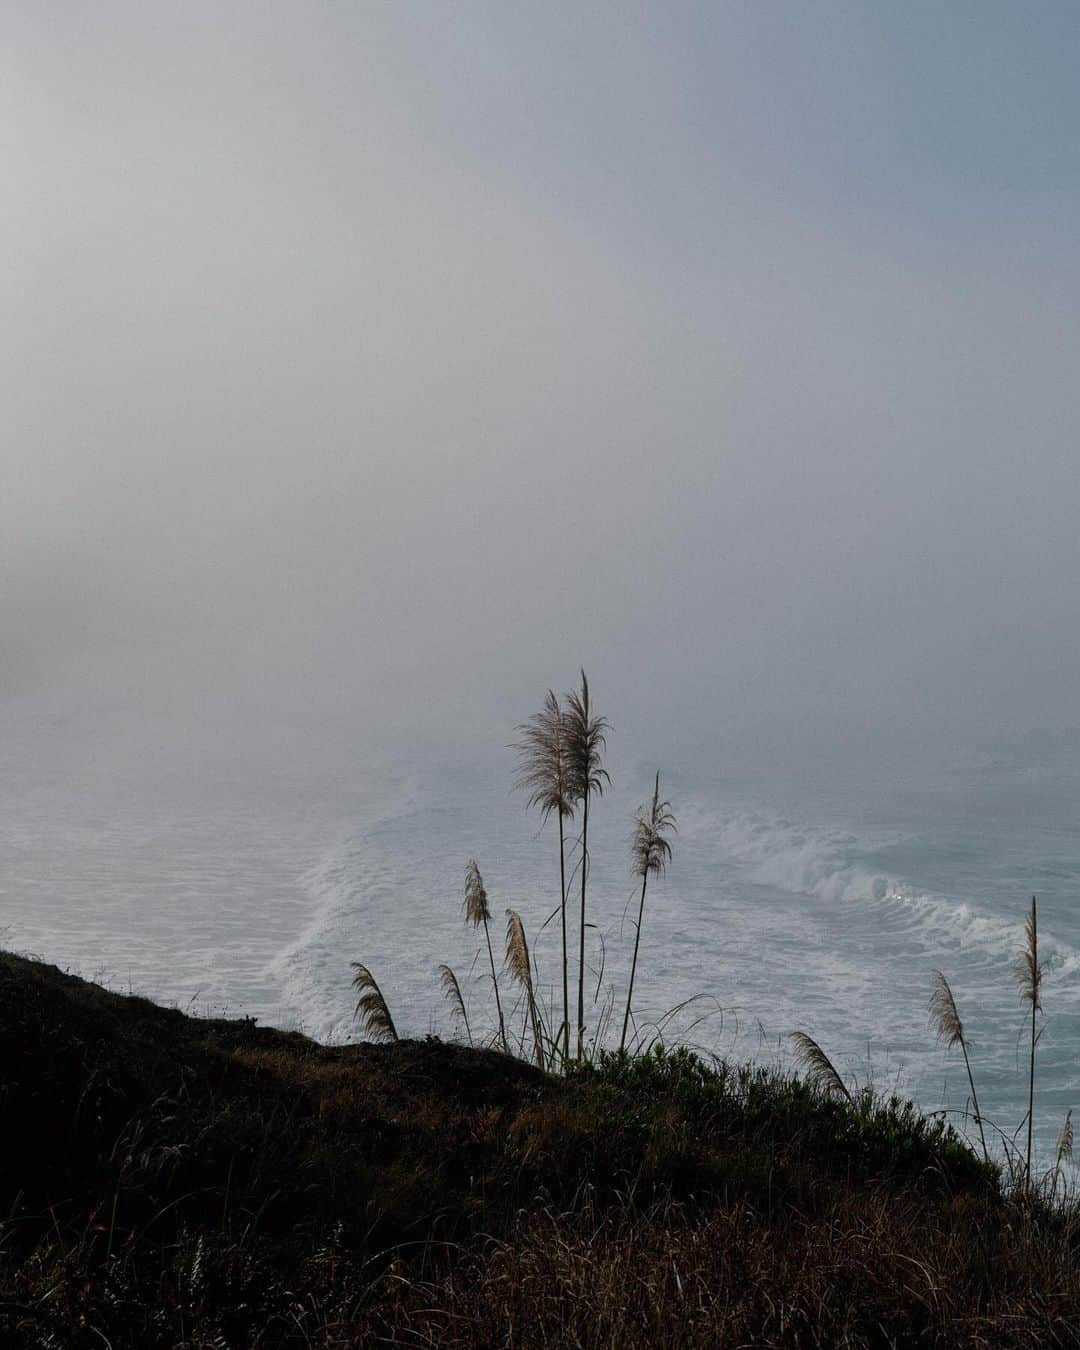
(172, 1181)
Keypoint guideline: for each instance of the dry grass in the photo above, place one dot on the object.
(854, 1274)
(1027, 968)
(944, 1014)
(586, 741)
(452, 989)
(520, 967)
(1065, 1139)
(544, 775)
(946, 1021)
(1028, 971)
(477, 913)
(651, 848)
(650, 851)
(167, 1181)
(371, 1010)
(543, 761)
(816, 1064)
(475, 903)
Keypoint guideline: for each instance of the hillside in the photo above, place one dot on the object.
(172, 1181)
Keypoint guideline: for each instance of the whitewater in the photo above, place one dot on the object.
(244, 884)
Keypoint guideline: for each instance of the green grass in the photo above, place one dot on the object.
(877, 1138)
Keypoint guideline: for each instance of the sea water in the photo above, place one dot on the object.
(239, 882)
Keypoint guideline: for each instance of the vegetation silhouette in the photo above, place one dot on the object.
(651, 850)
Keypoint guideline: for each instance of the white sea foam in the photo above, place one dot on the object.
(257, 903)
(829, 865)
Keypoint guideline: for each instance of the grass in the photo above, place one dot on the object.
(172, 1181)
(560, 768)
(167, 1181)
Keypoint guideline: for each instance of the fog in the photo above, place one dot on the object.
(376, 366)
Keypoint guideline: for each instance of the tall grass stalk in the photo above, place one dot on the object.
(371, 1009)
(1065, 1139)
(453, 993)
(586, 740)
(1064, 1148)
(1029, 977)
(544, 773)
(477, 913)
(651, 850)
(818, 1067)
(945, 1017)
(520, 967)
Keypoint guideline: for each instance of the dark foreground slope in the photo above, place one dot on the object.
(170, 1181)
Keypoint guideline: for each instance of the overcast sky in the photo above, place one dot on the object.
(389, 361)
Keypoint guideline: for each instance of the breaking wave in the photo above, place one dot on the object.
(838, 867)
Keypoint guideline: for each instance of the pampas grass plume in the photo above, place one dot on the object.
(371, 1007)
(1065, 1139)
(476, 901)
(818, 1067)
(944, 1013)
(453, 993)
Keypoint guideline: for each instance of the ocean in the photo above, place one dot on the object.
(227, 881)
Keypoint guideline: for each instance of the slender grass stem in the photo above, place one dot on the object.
(564, 1030)
(975, 1102)
(495, 986)
(581, 945)
(633, 963)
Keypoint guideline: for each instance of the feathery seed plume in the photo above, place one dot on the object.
(517, 961)
(820, 1070)
(453, 993)
(651, 850)
(1029, 977)
(944, 1014)
(477, 913)
(371, 1007)
(945, 1018)
(476, 901)
(1065, 1139)
(1027, 969)
(544, 773)
(517, 950)
(586, 740)
(544, 766)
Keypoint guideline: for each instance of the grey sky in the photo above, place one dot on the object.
(390, 361)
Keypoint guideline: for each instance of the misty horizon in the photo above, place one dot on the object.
(386, 367)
